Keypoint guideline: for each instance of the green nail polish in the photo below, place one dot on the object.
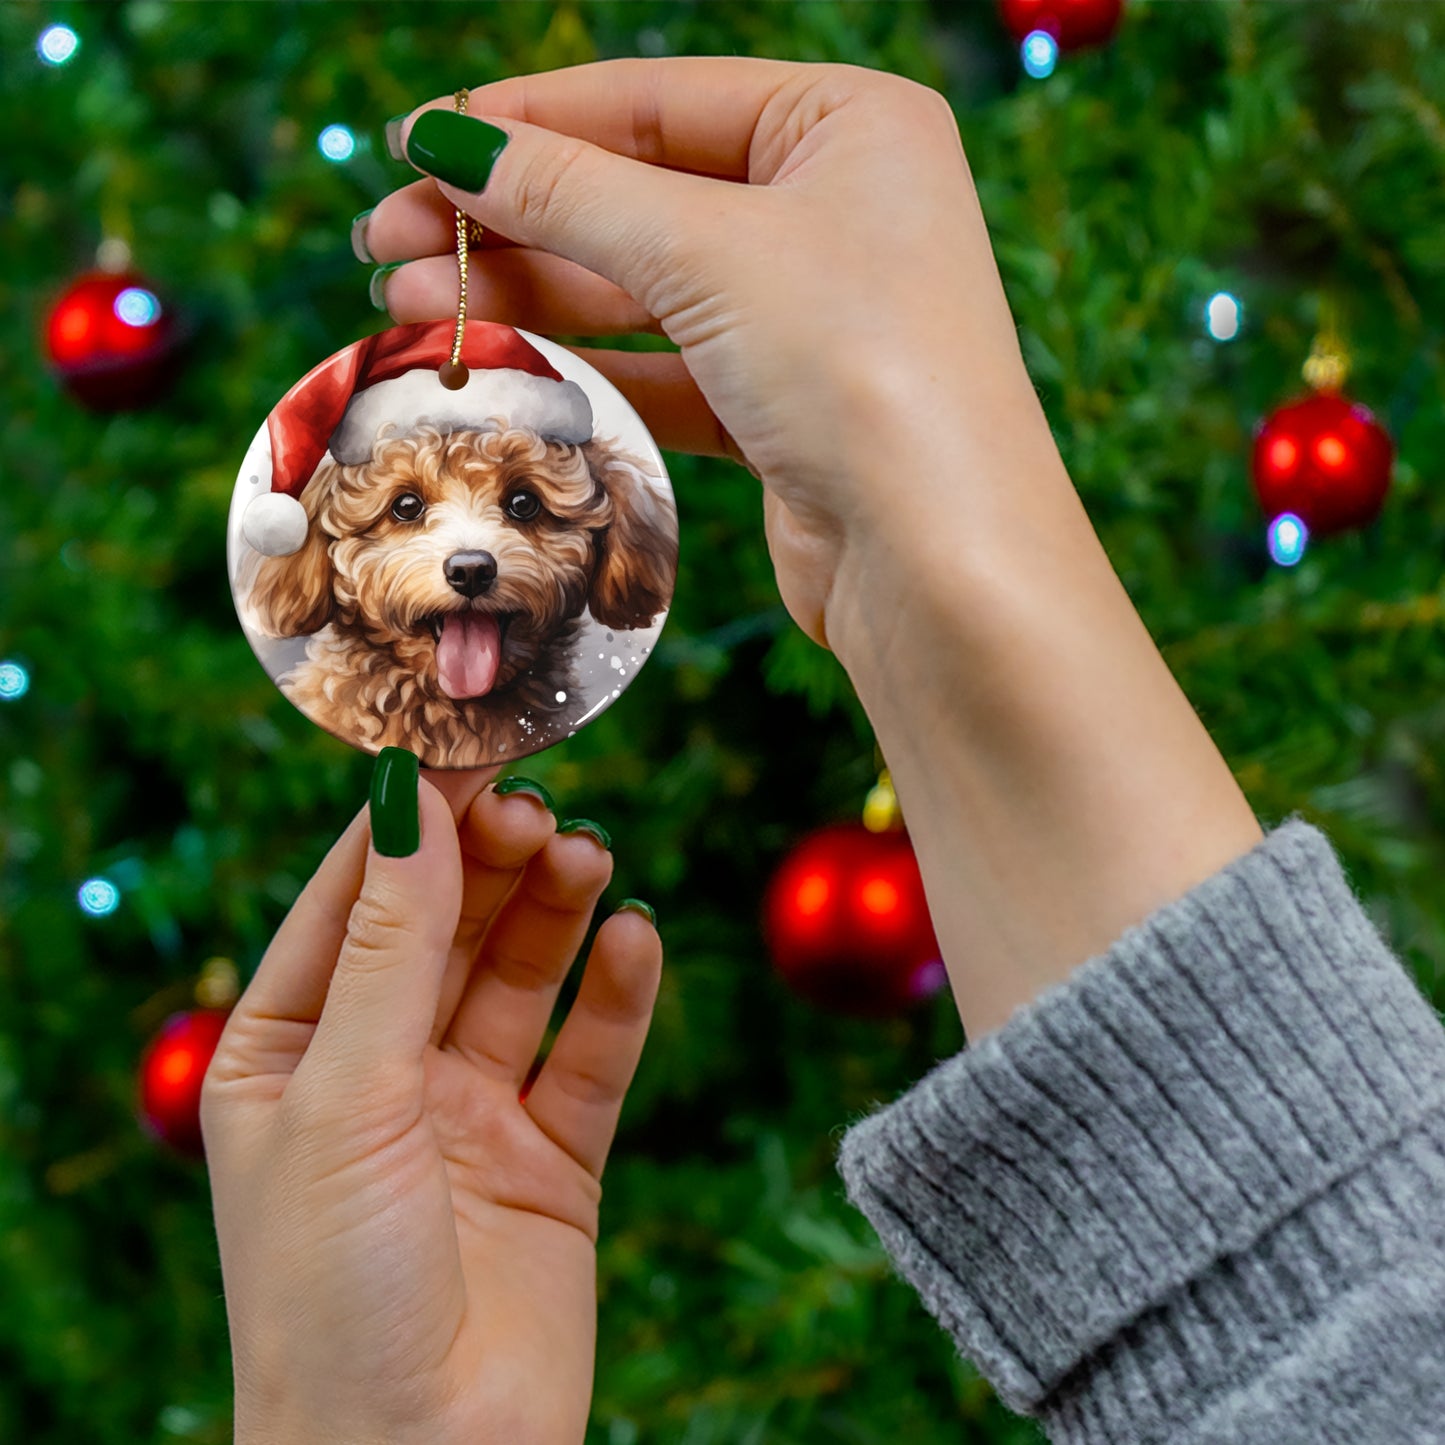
(636, 905)
(455, 148)
(393, 137)
(359, 248)
(586, 825)
(525, 785)
(377, 289)
(395, 810)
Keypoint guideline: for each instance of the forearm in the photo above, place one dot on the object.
(1056, 782)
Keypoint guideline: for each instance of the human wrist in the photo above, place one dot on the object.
(1057, 783)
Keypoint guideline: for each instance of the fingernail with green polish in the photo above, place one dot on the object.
(395, 810)
(455, 148)
(636, 905)
(586, 825)
(359, 248)
(528, 786)
(393, 137)
(377, 289)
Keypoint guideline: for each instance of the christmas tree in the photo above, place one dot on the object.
(162, 803)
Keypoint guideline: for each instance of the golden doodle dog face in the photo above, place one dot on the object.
(447, 578)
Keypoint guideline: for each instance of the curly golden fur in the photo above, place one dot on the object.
(370, 590)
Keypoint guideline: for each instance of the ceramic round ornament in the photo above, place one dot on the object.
(469, 571)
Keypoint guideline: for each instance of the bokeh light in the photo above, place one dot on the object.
(57, 44)
(336, 143)
(98, 897)
(1288, 537)
(137, 307)
(1223, 316)
(14, 681)
(1040, 54)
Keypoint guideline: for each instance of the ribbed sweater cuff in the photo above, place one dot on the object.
(1130, 1154)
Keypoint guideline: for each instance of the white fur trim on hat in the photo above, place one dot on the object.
(274, 524)
(555, 409)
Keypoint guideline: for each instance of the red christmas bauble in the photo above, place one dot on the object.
(171, 1071)
(1072, 23)
(1326, 459)
(111, 341)
(847, 923)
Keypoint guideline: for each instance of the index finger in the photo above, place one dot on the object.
(687, 113)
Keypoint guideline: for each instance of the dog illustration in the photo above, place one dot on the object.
(442, 585)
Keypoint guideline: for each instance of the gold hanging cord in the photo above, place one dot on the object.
(452, 374)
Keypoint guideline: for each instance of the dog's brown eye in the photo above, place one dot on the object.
(407, 507)
(523, 506)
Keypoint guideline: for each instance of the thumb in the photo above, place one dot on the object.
(635, 224)
(382, 1000)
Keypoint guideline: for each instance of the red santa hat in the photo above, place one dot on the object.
(392, 377)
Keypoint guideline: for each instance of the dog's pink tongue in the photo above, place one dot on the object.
(468, 654)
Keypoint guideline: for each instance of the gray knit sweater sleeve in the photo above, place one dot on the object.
(1196, 1192)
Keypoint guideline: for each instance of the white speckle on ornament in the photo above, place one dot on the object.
(573, 733)
(601, 657)
(14, 681)
(1040, 54)
(616, 662)
(616, 692)
(98, 897)
(57, 44)
(336, 143)
(1223, 316)
(561, 697)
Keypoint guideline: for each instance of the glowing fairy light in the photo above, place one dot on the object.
(98, 897)
(137, 307)
(1287, 538)
(336, 143)
(1040, 53)
(1223, 316)
(57, 44)
(14, 681)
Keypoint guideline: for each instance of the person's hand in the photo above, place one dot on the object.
(810, 237)
(841, 321)
(407, 1245)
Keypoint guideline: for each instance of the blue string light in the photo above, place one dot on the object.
(57, 44)
(137, 307)
(14, 681)
(1288, 537)
(1040, 54)
(336, 143)
(98, 897)
(1223, 316)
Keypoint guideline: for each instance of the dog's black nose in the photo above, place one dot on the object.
(470, 573)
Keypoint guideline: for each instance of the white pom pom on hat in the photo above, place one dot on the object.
(340, 406)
